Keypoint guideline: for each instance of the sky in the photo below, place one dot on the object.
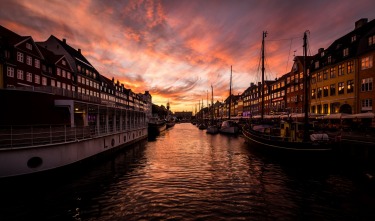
(177, 49)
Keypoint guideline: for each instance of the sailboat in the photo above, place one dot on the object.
(279, 139)
(212, 128)
(229, 126)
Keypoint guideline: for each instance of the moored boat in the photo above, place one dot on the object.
(156, 126)
(288, 138)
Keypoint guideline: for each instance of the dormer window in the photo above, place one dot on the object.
(371, 40)
(29, 46)
(322, 54)
(316, 64)
(63, 62)
(345, 52)
(329, 59)
(354, 38)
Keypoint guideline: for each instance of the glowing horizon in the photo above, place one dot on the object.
(177, 49)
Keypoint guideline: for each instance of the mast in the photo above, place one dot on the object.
(263, 37)
(230, 92)
(305, 82)
(212, 105)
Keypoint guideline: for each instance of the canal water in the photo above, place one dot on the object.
(186, 174)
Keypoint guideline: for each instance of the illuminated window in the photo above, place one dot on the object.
(350, 86)
(20, 74)
(37, 63)
(10, 72)
(350, 67)
(366, 62)
(19, 56)
(29, 60)
(341, 70)
(341, 88)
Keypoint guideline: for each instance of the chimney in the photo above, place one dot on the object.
(64, 40)
(360, 22)
(79, 50)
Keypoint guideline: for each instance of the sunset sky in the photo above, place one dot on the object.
(176, 49)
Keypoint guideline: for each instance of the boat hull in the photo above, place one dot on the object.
(17, 161)
(288, 150)
(154, 129)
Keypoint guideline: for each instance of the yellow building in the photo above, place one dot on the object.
(334, 73)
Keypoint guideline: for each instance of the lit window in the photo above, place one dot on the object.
(341, 88)
(20, 74)
(371, 40)
(29, 77)
(37, 63)
(29, 46)
(44, 81)
(350, 67)
(63, 73)
(366, 62)
(58, 84)
(63, 62)
(341, 70)
(366, 84)
(58, 71)
(332, 73)
(37, 79)
(19, 56)
(350, 86)
(354, 38)
(345, 52)
(10, 72)
(53, 83)
(29, 60)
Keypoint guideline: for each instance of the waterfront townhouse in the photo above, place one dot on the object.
(21, 61)
(267, 97)
(85, 76)
(335, 73)
(56, 74)
(278, 98)
(366, 72)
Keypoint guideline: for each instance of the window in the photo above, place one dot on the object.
(329, 59)
(313, 95)
(354, 38)
(371, 40)
(58, 84)
(345, 52)
(29, 60)
(301, 86)
(37, 63)
(20, 74)
(37, 79)
(44, 81)
(325, 108)
(366, 62)
(332, 72)
(341, 70)
(288, 80)
(53, 83)
(58, 71)
(341, 87)
(63, 73)
(63, 85)
(316, 64)
(350, 86)
(319, 109)
(288, 90)
(325, 91)
(313, 109)
(79, 89)
(10, 72)
(68, 87)
(366, 104)
(29, 77)
(68, 75)
(366, 84)
(320, 77)
(350, 66)
(319, 92)
(313, 79)
(325, 74)
(63, 62)
(20, 57)
(29, 46)
(332, 90)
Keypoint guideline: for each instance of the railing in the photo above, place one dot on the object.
(26, 136)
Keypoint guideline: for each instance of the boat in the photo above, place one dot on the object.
(229, 126)
(212, 128)
(288, 137)
(156, 126)
(170, 122)
(62, 111)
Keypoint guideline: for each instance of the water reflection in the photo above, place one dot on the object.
(186, 174)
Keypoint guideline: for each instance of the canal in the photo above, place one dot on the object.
(186, 174)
